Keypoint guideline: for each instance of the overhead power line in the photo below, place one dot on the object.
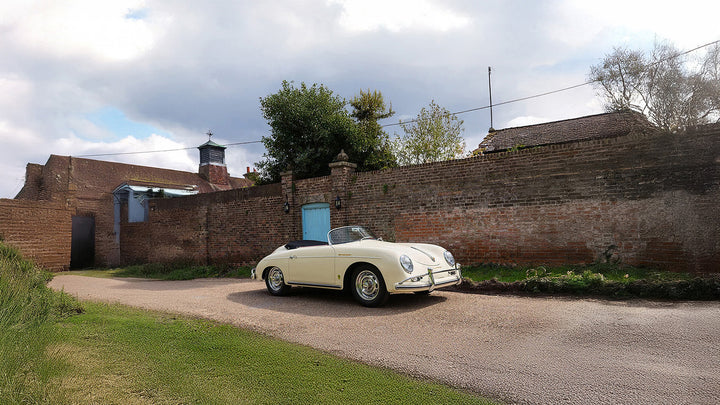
(158, 151)
(415, 120)
(553, 91)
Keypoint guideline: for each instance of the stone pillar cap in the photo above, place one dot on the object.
(342, 156)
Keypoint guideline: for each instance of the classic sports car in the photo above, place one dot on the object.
(352, 258)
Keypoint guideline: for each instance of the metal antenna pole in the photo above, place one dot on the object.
(490, 91)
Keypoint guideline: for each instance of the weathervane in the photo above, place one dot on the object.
(209, 134)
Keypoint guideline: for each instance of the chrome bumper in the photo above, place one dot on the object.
(430, 283)
(253, 275)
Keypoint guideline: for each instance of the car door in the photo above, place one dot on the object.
(313, 265)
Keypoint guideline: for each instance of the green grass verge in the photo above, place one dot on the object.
(54, 350)
(117, 354)
(600, 279)
(168, 271)
(28, 315)
(609, 271)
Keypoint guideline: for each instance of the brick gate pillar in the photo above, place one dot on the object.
(291, 211)
(341, 172)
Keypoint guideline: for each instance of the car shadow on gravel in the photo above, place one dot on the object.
(329, 303)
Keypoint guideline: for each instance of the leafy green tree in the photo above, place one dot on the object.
(672, 91)
(374, 150)
(309, 126)
(435, 135)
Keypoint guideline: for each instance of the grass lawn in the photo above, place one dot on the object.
(610, 272)
(173, 271)
(116, 354)
(599, 279)
(56, 350)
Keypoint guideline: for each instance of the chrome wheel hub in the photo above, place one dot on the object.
(367, 285)
(275, 278)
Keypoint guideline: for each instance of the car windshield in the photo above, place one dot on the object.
(348, 234)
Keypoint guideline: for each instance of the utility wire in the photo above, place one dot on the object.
(415, 120)
(554, 91)
(158, 151)
(500, 103)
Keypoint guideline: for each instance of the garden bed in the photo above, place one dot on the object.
(597, 280)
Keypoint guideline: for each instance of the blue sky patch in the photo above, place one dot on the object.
(115, 121)
(139, 14)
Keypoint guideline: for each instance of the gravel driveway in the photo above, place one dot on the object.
(517, 349)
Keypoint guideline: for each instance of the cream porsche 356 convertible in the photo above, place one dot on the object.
(353, 259)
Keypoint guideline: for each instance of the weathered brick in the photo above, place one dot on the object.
(40, 230)
(645, 199)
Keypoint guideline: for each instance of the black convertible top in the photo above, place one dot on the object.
(303, 243)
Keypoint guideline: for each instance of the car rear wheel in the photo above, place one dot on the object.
(275, 282)
(368, 287)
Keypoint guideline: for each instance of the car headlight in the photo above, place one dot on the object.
(406, 263)
(449, 258)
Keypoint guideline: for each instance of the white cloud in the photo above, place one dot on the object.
(526, 120)
(105, 29)
(183, 67)
(687, 24)
(393, 15)
(173, 159)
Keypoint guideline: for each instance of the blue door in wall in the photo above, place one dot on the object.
(316, 221)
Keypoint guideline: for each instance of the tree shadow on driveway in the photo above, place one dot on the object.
(329, 303)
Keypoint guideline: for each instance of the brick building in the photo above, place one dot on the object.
(597, 126)
(100, 195)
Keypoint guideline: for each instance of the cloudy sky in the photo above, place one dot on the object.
(97, 77)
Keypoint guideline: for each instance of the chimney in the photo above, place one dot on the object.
(212, 162)
(250, 175)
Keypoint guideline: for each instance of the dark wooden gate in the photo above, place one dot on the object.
(82, 250)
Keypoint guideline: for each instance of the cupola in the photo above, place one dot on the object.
(212, 162)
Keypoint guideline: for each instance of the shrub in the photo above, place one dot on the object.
(600, 279)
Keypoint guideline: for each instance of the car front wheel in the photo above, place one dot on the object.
(368, 287)
(275, 282)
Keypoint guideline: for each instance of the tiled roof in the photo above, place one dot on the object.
(588, 127)
(92, 178)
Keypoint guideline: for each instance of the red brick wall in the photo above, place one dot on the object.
(40, 230)
(237, 226)
(86, 186)
(214, 174)
(644, 199)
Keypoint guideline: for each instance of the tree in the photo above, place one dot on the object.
(433, 136)
(309, 126)
(661, 85)
(374, 148)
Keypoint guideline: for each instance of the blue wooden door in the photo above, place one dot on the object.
(316, 221)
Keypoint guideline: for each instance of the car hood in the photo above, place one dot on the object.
(421, 253)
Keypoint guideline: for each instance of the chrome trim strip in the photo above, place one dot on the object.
(315, 285)
(431, 285)
(440, 285)
(433, 273)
